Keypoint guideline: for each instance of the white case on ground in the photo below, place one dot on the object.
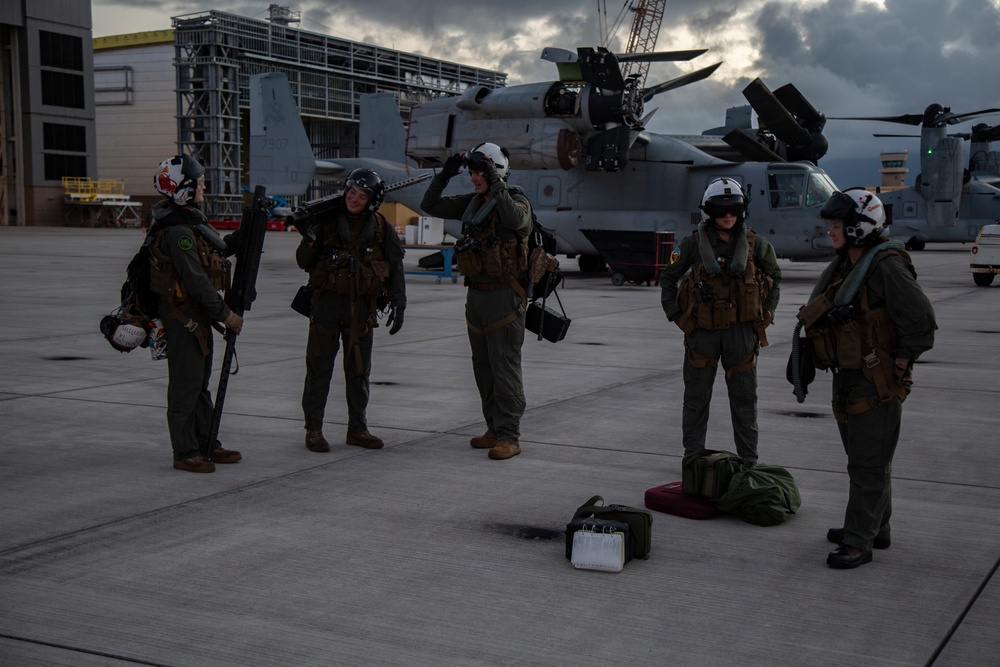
(604, 552)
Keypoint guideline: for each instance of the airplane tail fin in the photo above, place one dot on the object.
(280, 155)
(381, 135)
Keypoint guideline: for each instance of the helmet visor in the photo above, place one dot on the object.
(839, 207)
(722, 210)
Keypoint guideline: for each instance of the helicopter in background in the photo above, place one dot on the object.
(580, 151)
(949, 202)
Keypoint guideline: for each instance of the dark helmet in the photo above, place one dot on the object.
(720, 196)
(177, 178)
(862, 212)
(123, 334)
(371, 183)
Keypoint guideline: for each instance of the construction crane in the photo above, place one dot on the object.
(642, 38)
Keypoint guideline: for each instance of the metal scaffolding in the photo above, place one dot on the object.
(217, 52)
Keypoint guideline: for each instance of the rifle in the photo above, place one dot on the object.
(310, 212)
(241, 294)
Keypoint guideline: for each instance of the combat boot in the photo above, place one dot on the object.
(315, 442)
(836, 535)
(195, 463)
(484, 441)
(364, 439)
(222, 455)
(504, 449)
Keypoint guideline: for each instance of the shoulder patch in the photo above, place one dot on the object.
(675, 256)
(185, 243)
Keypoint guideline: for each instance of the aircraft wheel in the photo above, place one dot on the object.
(591, 263)
(618, 278)
(983, 279)
(915, 244)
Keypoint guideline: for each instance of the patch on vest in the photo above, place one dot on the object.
(185, 243)
(675, 256)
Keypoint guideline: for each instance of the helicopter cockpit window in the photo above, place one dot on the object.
(786, 190)
(819, 189)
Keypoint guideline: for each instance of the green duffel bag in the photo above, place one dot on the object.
(764, 495)
(706, 473)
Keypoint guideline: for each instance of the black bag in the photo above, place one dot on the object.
(708, 472)
(800, 369)
(640, 522)
(302, 303)
(139, 301)
(546, 322)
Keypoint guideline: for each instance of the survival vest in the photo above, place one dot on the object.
(720, 301)
(165, 282)
(491, 257)
(867, 342)
(352, 265)
(163, 277)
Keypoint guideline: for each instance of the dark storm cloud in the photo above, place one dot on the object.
(849, 57)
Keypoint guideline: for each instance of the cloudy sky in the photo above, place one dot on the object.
(848, 57)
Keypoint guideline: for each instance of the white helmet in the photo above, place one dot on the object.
(177, 178)
(862, 212)
(724, 195)
(123, 335)
(497, 155)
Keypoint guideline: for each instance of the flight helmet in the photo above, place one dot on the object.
(862, 212)
(124, 335)
(371, 183)
(177, 178)
(497, 155)
(721, 196)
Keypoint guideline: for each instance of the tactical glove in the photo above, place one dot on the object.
(395, 319)
(452, 167)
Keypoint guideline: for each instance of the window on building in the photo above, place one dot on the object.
(62, 90)
(61, 70)
(65, 150)
(61, 51)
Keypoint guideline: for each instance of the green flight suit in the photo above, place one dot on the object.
(870, 437)
(189, 367)
(736, 346)
(349, 318)
(496, 356)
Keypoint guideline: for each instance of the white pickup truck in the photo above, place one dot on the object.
(985, 262)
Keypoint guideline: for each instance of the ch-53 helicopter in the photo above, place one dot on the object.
(579, 149)
(949, 202)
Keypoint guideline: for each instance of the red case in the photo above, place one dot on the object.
(669, 498)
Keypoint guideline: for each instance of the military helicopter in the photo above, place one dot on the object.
(948, 202)
(580, 151)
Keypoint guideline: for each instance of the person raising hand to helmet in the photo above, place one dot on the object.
(188, 272)
(493, 256)
(868, 321)
(721, 289)
(355, 265)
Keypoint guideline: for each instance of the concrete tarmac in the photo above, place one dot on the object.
(428, 553)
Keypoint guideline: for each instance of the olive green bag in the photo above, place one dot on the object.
(707, 473)
(764, 495)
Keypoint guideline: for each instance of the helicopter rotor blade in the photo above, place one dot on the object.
(691, 77)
